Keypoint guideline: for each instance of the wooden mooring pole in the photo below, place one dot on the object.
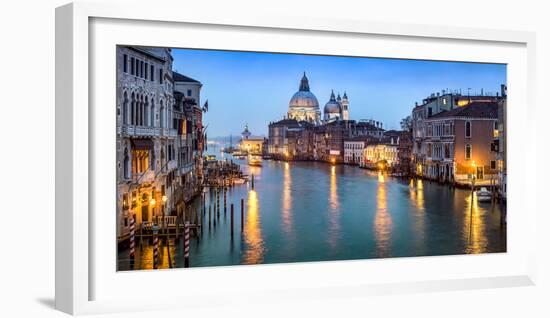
(224, 201)
(231, 219)
(242, 215)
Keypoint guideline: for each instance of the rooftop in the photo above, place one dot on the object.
(182, 78)
(473, 110)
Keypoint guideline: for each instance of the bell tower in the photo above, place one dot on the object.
(345, 107)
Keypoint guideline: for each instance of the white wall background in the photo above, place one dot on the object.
(27, 160)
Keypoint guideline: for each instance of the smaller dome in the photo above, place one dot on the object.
(332, 106)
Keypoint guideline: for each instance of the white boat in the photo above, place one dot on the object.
(239, 180)
(484, 195)
(254, 160)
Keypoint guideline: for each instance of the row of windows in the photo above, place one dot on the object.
(440, 150)
(140, 68)
(354, 146)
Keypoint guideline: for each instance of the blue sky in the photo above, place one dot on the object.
(255, 88)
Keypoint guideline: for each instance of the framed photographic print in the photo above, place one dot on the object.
(209, 154)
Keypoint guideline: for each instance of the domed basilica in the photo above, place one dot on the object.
(303, 106)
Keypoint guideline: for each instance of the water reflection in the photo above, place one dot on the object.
(382, 220)
(416, 193)
(334, 209)
(287, 200)
(474, 226)
(254, 249)
(317, 211)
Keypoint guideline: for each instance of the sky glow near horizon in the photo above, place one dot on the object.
(255, 88)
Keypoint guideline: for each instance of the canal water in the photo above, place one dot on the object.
(313, 211)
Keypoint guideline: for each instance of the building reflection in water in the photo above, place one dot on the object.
(382, 219)
(254, 245)
(287, 200)
(416, 192)
(474, 234)
(334, 209)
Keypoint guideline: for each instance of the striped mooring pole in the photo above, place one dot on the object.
(186, 245)
(132, 241)
(155, 247)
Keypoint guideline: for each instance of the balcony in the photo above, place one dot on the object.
(169, 132)
(139, 131)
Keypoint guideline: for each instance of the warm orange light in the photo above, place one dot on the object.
(164, 199)
(333, 160)
(152, 202)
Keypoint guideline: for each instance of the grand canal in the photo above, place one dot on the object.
(312, 211)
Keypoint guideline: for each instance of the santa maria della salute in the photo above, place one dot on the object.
(304, 106)
(305, 134)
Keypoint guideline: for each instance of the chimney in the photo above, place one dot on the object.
(503, 90)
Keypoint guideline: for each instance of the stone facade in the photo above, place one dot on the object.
(154, 137)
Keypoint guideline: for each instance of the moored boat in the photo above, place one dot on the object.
(484, 195)
(254, 160)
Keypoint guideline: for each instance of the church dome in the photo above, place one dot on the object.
(303, 98)
(333, 106)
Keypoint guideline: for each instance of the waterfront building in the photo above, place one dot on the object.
(191, 139)
(501, 144)
(381, 154)
(251, 144)
(145, 134)
(354, 149)
(303, 105)
(431, 106)
(459, 144)
(403, 140)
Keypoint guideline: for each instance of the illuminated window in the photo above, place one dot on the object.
(468, 152)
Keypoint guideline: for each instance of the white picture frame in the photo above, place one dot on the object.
(84, 287)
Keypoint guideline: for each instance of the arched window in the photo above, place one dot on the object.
(161, 115)
(468, 129)
(140, 118)
(153, 112)
(133, 110)
(125, 109)
(146, 115)
(126, 164)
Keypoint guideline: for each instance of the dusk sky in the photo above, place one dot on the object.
(255, 88)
